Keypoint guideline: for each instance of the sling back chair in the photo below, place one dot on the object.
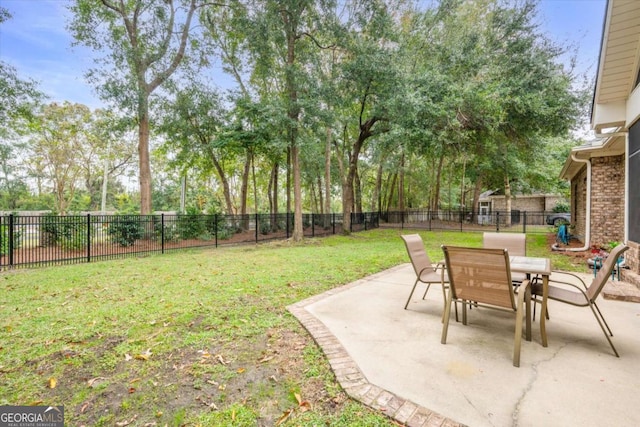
(426, 272)
(585, 296)
(482, 276)
(515, 243)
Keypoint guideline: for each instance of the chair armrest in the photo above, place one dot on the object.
(566, 273)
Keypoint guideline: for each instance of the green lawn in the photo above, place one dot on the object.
(192, 338)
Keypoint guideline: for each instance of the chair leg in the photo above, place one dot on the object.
(426, 290)
(411, 294)
(602, 317)
(445, 323)
(602, 326)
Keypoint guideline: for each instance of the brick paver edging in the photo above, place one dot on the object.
(351, 378)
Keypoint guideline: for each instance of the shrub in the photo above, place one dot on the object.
(125, 230)
(191, 225)
(70, 232)
(561, 207)
(4, 239)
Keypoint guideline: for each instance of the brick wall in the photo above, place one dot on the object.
(526, 203)
(607, 199)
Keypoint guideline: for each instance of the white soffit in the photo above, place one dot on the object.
(618, 68)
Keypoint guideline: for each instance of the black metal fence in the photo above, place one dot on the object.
(27, 241)
(515, 221)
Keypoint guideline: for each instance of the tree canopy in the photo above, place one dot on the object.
(335, 106)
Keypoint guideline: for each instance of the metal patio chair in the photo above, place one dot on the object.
(586, 295)
(482, 276)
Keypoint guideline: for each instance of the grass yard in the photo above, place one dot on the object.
(193, 338)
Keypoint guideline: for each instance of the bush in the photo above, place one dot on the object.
(70, 232)
(561, 207)
(4, 239)
(191, 224)
(125, 230)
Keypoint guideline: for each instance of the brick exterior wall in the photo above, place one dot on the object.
(607, 209)
(607, 199)
(528, 203)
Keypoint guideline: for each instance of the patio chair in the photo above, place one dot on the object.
(515, 243)
(586, 295)
(482, 276)
(425, 271)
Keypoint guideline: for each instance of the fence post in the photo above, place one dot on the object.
(215, 229)
(10, 245)
(524, 223)
(497, 220)
(257, 227)
(313, 225)
(333, 220)
(162, 233)
(88, 237)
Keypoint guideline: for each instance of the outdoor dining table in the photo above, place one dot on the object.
(533, 266)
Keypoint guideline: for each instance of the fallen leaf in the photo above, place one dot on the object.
(127, 357)
(92, 381)
(131, 390)
(126, 422)
(220, 359)
(265, 359)
(143, 356)
(84, 407)
(286, 414)
(240, 370)
(52, 383)
(135, 380)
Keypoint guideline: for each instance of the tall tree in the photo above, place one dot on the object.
(145, 42)
(59, 133)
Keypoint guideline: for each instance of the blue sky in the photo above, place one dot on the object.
(37, 44)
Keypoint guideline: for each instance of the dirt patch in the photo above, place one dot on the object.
(268, 375)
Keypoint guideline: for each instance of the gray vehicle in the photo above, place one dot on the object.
(558, 218)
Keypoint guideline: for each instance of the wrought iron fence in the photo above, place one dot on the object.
(515, 221)
(50, 239)
(34, 240)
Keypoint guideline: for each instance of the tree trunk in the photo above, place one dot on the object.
(392, 189)
(436, 196)
(507, 199)
(476, 197)
(244, 190)
(401, 184)
(298, 231)
(348, 192)
(226, 191)
(357, 207)
(327, 179)
(143, 156)
(376, 203)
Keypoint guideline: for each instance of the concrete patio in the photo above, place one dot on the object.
(392, 360)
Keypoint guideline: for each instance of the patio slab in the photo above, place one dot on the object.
(392, 360)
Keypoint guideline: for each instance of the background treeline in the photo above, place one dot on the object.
(324, 106)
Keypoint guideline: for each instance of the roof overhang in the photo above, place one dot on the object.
(613, 145)
(615, 102)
